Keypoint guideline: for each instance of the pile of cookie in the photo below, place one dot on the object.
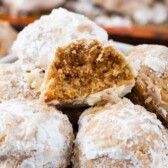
(66, 60)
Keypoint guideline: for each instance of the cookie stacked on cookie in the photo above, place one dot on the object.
(66, 60)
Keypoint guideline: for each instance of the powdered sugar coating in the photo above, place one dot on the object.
(38, 42)
(124, 134)
(151, 86)
(20, 80)
(153, 56)
(33, 135)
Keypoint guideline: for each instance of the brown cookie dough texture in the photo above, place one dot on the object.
(34, 136)
(120, 135)
(7, 37)
(86, 72)
(151, 88)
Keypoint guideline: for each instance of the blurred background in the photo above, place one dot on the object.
(128, 21)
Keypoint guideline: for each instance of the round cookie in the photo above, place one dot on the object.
(151, 87)
(120, 135)
(34, 135)
(87, 72)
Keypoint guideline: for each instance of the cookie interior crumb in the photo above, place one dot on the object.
(83, 68)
